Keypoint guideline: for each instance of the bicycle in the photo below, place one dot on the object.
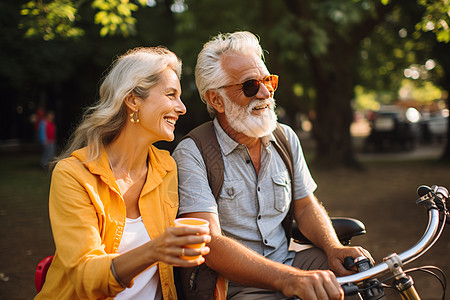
(365, 282)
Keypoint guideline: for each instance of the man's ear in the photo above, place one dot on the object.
(132, 102)
(215, 100)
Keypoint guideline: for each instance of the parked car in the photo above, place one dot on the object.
(393, 128)
(434, 126)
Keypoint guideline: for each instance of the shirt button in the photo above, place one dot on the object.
(259, 217)
(259, 188)
(265, 241)
(247, 161)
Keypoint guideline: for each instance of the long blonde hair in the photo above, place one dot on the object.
(136, 72)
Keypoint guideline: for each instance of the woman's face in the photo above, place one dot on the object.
(159, 112)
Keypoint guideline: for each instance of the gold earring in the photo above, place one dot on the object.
(134, 117)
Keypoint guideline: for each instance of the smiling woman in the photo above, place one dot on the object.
(161, 107)
(114, 196)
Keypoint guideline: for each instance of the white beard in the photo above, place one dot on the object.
(242, 120)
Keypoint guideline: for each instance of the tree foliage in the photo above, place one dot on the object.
(436, 18)
(57, 18)
(50, 20)
(320, 49)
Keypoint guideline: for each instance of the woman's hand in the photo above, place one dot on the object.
(169, 246)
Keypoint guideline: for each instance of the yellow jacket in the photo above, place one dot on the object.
(87, 214)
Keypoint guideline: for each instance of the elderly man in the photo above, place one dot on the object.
(249, 246)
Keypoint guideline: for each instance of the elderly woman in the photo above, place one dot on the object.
(113, 195)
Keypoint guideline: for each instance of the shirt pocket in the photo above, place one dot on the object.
(231, 189)
(228, 206)
(282, 190)
(171, 204)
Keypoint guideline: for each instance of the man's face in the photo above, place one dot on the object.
(244, 119)
(253, 116)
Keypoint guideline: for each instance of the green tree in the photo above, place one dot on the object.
(61, 73)
(316, 47)
(317, 50)
(58, 18)
(332, 33)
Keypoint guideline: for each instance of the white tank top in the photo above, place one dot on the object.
(147, 284)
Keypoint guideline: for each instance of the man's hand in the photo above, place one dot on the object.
(336, 256)
(312, 285)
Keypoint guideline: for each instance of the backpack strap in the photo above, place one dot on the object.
(205, 138)
(283, 148)
(201, 282)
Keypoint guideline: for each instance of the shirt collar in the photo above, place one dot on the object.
(98, 166)
(227, 144)
(160, 161)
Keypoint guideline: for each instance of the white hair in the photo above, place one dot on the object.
(209, 73)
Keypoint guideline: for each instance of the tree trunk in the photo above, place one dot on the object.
(333, 82)
(332, 127)
(334, 87)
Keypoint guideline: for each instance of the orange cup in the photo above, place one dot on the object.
(196, 223)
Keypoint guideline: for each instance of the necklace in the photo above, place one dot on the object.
(114, 172)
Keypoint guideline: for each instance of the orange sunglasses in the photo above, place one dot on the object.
(251, 87)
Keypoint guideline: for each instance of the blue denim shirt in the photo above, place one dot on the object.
(251, 206)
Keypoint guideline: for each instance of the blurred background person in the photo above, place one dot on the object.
(47, 133)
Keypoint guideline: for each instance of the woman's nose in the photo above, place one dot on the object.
(180, 108)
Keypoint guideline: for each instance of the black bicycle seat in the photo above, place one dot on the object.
(345, 228)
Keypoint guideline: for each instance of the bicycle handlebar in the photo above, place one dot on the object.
(406, 257)
(412, 253)
(434, 199)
